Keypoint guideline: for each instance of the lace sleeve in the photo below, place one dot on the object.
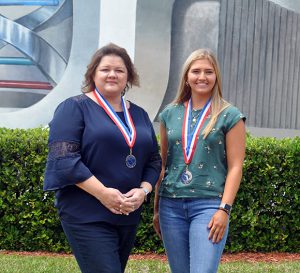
(64, 164)
(63, 149)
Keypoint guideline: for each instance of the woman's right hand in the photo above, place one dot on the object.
(112, 199)
(156, 224)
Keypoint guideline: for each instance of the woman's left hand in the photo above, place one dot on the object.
(217, 226)
(134, 199)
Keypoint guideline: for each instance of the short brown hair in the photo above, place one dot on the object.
(110, 49)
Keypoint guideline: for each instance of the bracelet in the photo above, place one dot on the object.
(224, 210)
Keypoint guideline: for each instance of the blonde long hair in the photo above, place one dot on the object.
(184, 91)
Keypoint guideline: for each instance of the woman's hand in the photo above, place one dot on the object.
(156, 224)
(133, 200)
(112, 199)
(217, 226)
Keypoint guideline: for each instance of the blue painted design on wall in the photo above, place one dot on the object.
(15, 61)
(29, 3)
(32, 54)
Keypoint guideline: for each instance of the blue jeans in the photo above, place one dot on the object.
(183, 224)
(100, 247)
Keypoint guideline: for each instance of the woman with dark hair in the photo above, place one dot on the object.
(202, 147)
(103, 162)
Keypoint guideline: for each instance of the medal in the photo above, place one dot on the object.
(190, 137)
(186, 176)
(129, 133)
(130, 160)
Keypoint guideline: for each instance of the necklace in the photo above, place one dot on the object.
(190, 136)
(128, 132)
(195, 116)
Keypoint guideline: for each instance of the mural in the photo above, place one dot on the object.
(259, 49)
(45, 46)
(44, 56)
(34, 50)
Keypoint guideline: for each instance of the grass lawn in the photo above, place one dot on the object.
(12, 263)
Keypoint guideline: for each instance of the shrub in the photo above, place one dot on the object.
(28, 217)
(265, 216)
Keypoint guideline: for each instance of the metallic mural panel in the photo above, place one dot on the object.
(256, 41)
(33, 47)
(259, 54)
(82, 45)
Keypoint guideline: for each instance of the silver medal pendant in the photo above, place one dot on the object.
(186, 177)
(130, 161)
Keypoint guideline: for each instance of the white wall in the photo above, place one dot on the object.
(117, 24)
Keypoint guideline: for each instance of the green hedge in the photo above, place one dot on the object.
(265, 216)
(28, 219)
(266, 213)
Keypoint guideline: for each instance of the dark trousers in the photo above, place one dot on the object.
(100, 247)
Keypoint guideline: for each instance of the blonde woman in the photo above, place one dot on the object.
(202, 147)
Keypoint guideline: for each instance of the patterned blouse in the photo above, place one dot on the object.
(209, 164)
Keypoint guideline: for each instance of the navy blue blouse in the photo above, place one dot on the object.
(84, 141)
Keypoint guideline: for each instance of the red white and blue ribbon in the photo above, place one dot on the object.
(189, 138)
(129, 135)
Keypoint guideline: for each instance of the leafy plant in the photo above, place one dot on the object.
(265, 216)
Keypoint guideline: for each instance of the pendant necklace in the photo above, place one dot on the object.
(196, 116)
(129, 133)
(190, 137)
